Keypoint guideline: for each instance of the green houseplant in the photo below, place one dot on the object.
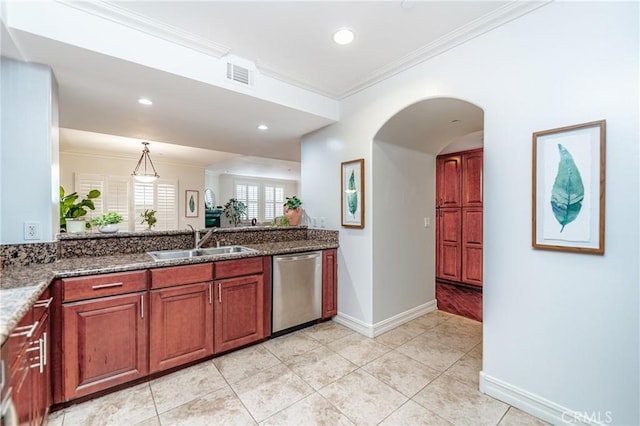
(235, 210)
(72, 211)
(149, 217)
(292, 210)
(108, 222)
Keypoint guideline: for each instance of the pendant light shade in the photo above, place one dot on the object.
(142, 173)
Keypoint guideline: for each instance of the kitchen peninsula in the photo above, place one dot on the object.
(88, 279)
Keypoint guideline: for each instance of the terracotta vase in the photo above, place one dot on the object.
(293, 216)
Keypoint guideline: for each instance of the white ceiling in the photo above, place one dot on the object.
(289, 41)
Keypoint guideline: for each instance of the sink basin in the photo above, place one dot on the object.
(185, 254)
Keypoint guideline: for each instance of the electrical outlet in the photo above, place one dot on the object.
(31, 231)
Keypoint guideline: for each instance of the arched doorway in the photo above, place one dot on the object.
(405, 152)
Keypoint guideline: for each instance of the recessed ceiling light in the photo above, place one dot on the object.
(145, 101)
(262, 127)
(344, 36)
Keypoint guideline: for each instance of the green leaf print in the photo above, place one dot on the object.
(568, 192)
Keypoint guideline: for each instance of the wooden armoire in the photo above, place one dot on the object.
(459, 217)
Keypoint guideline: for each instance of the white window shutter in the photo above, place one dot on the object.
(85, 183)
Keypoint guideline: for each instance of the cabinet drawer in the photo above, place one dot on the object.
(103, 285)
(235, 268)
(178, 275)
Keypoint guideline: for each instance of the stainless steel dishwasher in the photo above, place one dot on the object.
(297, 289)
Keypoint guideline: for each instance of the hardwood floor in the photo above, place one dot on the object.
(460, 300)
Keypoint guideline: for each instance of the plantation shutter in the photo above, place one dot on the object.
(273, 202)
(85, 183)
(248, 194)
(116, 198)
(161, 196)
(167, 205)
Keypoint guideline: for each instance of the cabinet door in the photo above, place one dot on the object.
(181, 325)
(238, 312)
(449, 251)
(40, 372)
(472, 246)
(448, 181)
(329, 283)
(472, 179)
(105, 343)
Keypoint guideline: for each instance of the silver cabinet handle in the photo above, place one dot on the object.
(110, 285)
(45, 347)
(219, 292)
(26, 331)
(43, 303)
(142, 306)
(210, 293)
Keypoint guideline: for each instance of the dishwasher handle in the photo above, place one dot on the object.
(294, 258)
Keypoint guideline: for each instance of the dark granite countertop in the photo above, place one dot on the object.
(20, 287)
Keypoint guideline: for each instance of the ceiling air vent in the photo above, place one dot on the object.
(239, 74)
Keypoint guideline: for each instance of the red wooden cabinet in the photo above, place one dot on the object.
(105, 343)
(28, 367)
(181, 317)
(239, 314)
(449, 244)
(459, 217)
(180, 325)
(329, 283)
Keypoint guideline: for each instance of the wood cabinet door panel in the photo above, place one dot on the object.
(178, 275)
(238, 312)
(181, 325)
(449, 244)
(448, 179)
(472, 179)
(80, 288)
(105, 343)
(239, 267)
(329, 283)
(472, 246)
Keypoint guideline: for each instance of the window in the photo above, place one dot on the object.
(117, 196)
(87, 182)
(160, 196)
(273, 202)
(248, 194)
(263, 200)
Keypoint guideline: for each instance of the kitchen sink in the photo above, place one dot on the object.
(185, 254)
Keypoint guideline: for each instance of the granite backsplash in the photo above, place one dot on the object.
(95, 244)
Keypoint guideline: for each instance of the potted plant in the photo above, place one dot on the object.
(72, 211)
(108, 222)
(235, 210)
(149, 217)
(292, 210)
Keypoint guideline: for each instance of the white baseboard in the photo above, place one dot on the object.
(538, 406)
(373, 330)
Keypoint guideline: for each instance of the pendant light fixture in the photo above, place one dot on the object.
(141, 173)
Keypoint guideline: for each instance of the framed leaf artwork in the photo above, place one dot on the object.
(352, 193)
(191, 203)
(569, 188)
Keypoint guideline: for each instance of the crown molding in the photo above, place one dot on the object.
(484, 24)
(112, 12)
(512, 10)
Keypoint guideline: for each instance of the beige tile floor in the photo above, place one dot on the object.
(424, 372)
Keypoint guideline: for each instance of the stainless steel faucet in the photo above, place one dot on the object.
(200, 241)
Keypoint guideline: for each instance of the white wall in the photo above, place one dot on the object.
(561, 330)
(403, 249)
(29, 145)
(188, 177)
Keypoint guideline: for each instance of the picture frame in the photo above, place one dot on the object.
(352, 193)
(191, 203)
(568, 196)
